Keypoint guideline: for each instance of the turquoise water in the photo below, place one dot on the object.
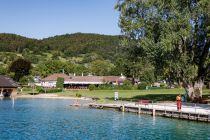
(42, 119)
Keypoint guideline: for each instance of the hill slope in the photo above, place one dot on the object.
(69, 44)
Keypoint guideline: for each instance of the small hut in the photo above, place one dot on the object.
(8, 87)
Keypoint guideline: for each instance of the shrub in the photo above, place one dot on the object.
(49, 90)
(27, 88)
(106, 86)
(91, 87)
(53, 90)
(40, 89)
(162, 85)
(60, 82)
(78, 95)
(127, 84)
(142, 85)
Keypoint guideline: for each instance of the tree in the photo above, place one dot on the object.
(173, 34)
(53, 66)
(101, 67)
(60, 83)
(3, 70)
(20, 67)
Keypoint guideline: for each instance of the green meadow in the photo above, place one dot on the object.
(130, 95)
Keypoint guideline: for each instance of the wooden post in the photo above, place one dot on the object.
(2, 89)
(139, 110)
(165, 107)
(123, 108)
(153, 112)
(1, 94)
(14, 92)
(195, 108)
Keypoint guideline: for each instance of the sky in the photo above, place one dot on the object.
(45, 18)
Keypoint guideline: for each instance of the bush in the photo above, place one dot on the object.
(78, 95)
(53, 90)
(127, 85)
(60, 82)
(40, 89)
(142, 85)
(162, 85)
(105, 86)
(91, 87)
(49, 90)
(27, 88)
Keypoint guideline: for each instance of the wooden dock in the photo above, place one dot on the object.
(155, 112)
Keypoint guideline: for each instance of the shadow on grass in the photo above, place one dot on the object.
(157, 98)
(153, 97)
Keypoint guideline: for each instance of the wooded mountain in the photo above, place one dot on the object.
(69, 44)
(74, 53)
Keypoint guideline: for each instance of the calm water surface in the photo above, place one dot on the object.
(42, 119)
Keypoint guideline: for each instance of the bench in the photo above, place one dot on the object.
(145, 102)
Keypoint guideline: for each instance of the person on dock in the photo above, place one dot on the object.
(179, 102)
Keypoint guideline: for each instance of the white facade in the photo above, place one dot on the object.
(48, 84)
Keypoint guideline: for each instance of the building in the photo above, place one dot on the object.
(81, 82)
(8, 87)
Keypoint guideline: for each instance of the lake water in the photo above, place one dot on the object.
(47, 119)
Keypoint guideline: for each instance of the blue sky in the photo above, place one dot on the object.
(44, 18)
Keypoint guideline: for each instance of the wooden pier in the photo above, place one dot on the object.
(155, 112)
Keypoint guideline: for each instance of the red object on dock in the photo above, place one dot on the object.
(145, 102)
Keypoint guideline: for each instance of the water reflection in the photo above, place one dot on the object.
(153, 120)
(13, 102)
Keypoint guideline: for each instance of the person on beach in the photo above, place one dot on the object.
(179, 102)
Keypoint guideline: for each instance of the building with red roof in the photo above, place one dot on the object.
(71, 81)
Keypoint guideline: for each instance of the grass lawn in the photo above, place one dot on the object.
(126, 95)
(131, 95)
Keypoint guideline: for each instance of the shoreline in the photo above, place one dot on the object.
(51, 96)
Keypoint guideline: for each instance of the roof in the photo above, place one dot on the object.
(114, 78)
(6, 82)
(54, 77)
(85, 79)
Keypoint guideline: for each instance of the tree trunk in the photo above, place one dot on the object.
(194, 91)
(198, 89)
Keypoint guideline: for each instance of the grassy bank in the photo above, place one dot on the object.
(130, 95)
(126, 95)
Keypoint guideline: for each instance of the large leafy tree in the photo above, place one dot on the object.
(20, 67)
(173, 35)
(53, 66)
(101, 67)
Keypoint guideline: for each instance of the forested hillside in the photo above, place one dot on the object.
(69, 44)
(74, 44)
(75, 53)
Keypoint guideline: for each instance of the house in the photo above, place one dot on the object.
(8, 87)
(50, 81)
(81, 82)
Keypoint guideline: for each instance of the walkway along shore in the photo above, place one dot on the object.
(191, 112)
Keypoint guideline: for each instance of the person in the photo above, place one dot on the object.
(179, 102)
